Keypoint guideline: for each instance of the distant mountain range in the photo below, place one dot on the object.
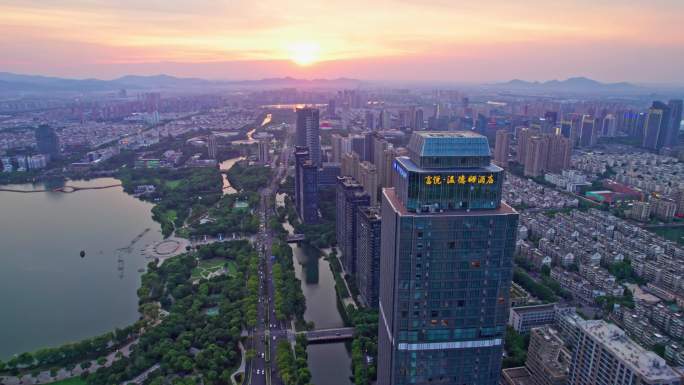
(575, 84)
(11, 82)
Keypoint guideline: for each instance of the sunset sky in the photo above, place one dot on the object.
(401, 40)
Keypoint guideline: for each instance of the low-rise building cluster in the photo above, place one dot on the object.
(526, 193)
(647, 171)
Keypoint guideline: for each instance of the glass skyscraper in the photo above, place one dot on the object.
(308, 133)
(446, 264)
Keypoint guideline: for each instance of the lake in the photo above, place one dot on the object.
(49, 295)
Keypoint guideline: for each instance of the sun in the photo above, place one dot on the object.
(304, 53)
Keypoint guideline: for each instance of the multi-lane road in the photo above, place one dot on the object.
(262, 370)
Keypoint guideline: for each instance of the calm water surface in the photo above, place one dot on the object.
(49, 295)
(330, 364)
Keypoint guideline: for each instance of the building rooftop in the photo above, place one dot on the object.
(371, 212)
(517, 376)
(643, 362)
(411, 166)
(534, 308)
(555, 358)
(448, 143)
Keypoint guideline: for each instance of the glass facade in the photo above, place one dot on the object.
(445, 269)
(424, 190)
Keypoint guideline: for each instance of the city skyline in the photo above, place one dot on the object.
(416, 41)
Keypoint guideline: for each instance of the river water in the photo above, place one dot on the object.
(330, 364)
(225, 166)
(49, 295)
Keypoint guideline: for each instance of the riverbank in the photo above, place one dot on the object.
(64, 189)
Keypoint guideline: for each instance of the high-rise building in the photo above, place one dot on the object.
(306, 186)
(679, 198)
(551, 118)
(501, 148)
(380, 144)
(663, 208)
(658, 126)
(330, 110)
(368, 177)
(358, 144)
(559, 154)
(547, 153)
(420, 120)
(211, 146)
(369, 146)
(368, 254)
(370, 120)
(36, 162)
(384, 120)
(340, 145)
(604, 355)
(385, 173)
(446, 264)
(536, 155)
(523, 136)
(47, 141)
(350, 196)
(350, 164)
(308, 133)
(7, 164)
(675, 106)
(264, 150)
(22, 163)
(609, 126)
(328, 174)
(566, 128)
(587, 132)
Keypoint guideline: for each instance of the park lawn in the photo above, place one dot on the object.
(232, 269)
(170, 216)
(208, 266)
(183, 232)
(70, 381)
(173, 184)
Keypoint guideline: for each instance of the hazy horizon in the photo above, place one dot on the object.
(389, 40)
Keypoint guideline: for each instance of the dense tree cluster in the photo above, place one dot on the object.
(364, 349)
(288, 299)
(191, 345)
(249, 178)
(228, 249)
(226, 219)
(69, 355)
(292, 366)
(535, 288)
(178, 191)
(322, 234)
(516, 348)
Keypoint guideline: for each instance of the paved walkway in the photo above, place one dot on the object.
(349, 300)
(242, 363)
(142, 376)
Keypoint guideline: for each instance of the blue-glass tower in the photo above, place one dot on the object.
(445, 265)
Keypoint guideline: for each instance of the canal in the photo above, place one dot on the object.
(330, 364)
